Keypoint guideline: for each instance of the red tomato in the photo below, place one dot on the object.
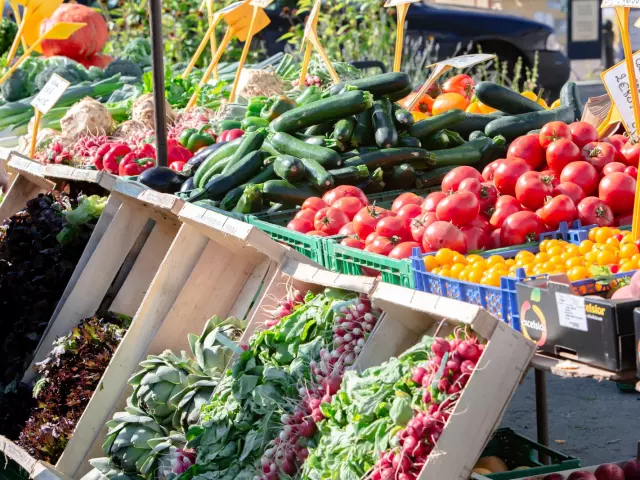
(505, 200)
(349, 205)
(561, 153)
(583, 133)
(344, 191)
(462, 84)
(371, 237)
(472, 185)
(488, 198)
(529, 149)
(314, 203)
(519, 228)
(495, 238)
(613, 167)
(623, 139)
(404, 250)
(459, 208)
(550, 173)
(502, 213)
(532, 189)
(347, 229)
(618, 190)
(480, 222)
(431, 202)
(632, 172)
(553, 131)
(316, 233)
(352, 242)
(407, 198)
(593, 211)
(507, 174)
(408, 213)
(330, 220)
(618, 144)
(490, 169)
(366, 219)
(476, 239)
(570, 189)
(302, 225)
(451, 181)
(392, 227)
(444, 235)
(599, 154)
(420, 224)
(582, 174)
(631, 153)
(306, 214)
(382, 246)
(558, 209)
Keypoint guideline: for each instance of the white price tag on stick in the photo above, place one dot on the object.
(50, 94)
(616, 82)
(395, 3)
(261, 3)
(620, 3)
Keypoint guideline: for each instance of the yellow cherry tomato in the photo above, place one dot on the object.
(541, 257)
(585, 246)
(603, 234)
(554, 251)
(509, 262)
(430, 263)
(436, 271)
(525, 254)
(475, 276)
(473, 258)
(456, 269)
(485, 108)
(445, 272)
(607, 258)
(628, 250)
(592, 234)
(578, 273)
(613, 242)
(628, 267)
(544, 244)
(574, 262)
(458, 258)
(444, 256)
(591, 257)
(556, 260)
(495, 260)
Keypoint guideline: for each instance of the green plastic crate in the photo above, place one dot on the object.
(518, 451)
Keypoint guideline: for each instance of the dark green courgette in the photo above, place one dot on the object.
(232, 197)
(404, 119)
(504, 99)
(288, 144)
(319, 140)
(317, 175)
(517, 125)
(251, 142)
(455, 139)
(400, 94)
(289, 168)
(570, 97)
(257, 122)
(389, 157)
(437, 141)
(384, 127)
(309, 95)
(281, 191)
(427, 127)
(433, 178)
(332, 108)
(225, 125)
(238, 174)
(225, 151)
(403, 177)
(462, 155)
(250, 201)
(349, 175)
(378, 85)
(408, 141)
(473, 122)
(476, 134)
(320, 129)
(343, 130)
(268, 147)
(363, 131)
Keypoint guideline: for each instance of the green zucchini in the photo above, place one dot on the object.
(403, 177)
(238, 174)
(504, 99)
(473, 122)
(455, 140)
(343, 130)
(408, 141)
(570, 97)
(251, 142)
(363, 131)
(289, 168)
(225, 151)
(404, 119)
(385, 129)
(400, 94)
(390, 157)
(349, 175)
(257, 122)
(281, 191)
(285, 143)
(317, 174)
(437, 141)
(377, 85)
(332, 108)
(462, 155)
(476, 134)
(250, 200)
(225, 125)
(433, 178)
(268, 147)
(320, 129)
(233, 196)
(517, 125)
(310, 94)
(427, 127)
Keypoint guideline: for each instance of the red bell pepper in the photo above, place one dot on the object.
(128, 159)
(131, 169)
(177, 166)
(112, 158)
(100, 153)
(147, 150)
(229, 135)
(177, 153)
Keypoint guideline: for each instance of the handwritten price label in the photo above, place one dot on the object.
(620, 3)
(50, 94)
(616, 81)
(465, 61)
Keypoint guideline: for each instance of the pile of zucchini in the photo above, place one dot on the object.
(355, 134)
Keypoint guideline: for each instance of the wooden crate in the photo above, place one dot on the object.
(216, 265)
(409, 314)
(27, 182)
(123, 255)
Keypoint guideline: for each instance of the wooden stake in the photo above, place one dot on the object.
(308, 50)
(437, 73)
(16, 41)
(402, 10)
(18, 17)
(203, 44)
(34, 135)
(213, 36)
(245, 52)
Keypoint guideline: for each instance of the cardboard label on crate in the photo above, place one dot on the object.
(571, 312)
(395, 3)
(50, 93)
(616, 82)
(620, 3)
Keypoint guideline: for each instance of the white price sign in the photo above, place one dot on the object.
(465, 61)
(620, 3)
(571, 313)
(50, 94)
(395, 3)
(261, 3)
(616, 81)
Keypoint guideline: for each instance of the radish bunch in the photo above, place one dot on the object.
(310, 80)
(285, 307)
(441, 378)
(287, 452)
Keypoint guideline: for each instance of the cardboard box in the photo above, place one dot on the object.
(590, 329)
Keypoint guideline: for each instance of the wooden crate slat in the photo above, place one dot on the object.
(36, 469)
(22, 190)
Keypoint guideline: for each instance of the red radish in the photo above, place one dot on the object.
(632, 467)
(609, 471)
(581, 475)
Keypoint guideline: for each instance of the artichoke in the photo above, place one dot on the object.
(103, 470)
(161, 377)
(128, 442)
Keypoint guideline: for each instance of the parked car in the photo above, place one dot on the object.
(456, 28)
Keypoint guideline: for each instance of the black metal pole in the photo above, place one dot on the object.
(542, 413)
(155, 12)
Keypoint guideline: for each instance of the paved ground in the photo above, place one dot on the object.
(597, 422)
